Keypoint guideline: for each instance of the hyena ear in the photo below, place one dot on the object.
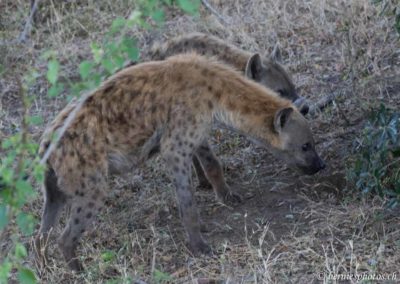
(276, 54)
(254, 67)
(281, 118)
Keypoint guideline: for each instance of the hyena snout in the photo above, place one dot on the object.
(302, 105)
(314, 165)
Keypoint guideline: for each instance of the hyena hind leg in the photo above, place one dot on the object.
(215, 175)
(54, 201)
(201, 176)
(84, 207)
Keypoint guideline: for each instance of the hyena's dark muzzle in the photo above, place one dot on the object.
(314, 165)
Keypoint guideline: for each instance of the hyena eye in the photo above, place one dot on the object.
(305, 147)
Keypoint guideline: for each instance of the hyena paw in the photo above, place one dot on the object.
(204, 184)
(75, 265)
(231, 198)
(199, 247)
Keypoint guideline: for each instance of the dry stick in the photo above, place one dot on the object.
(213, 11)
(322, 103)
(28, 25)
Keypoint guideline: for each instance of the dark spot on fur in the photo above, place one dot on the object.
(210, 104)
(246, 109)
(108, 88)
(76, 221)
(89, 100)
(175, 169)
(86, 139)
(89, 215)
(74, 239)
(78, 209)
(209, 88)
(91, 204)
(218, 95)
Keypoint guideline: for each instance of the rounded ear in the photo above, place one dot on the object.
(276, 55)
(253, 67)
(281, 118)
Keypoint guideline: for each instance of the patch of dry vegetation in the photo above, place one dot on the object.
(290, 228)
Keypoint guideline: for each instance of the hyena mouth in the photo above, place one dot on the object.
(311, 170)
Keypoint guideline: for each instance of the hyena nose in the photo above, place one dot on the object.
(304, 109)
(302, 105)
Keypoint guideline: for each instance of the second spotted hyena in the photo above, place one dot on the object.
(168, 105)
(265, 70)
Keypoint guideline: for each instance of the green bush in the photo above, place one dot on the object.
(375, 169)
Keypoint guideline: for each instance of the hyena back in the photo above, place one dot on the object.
(170, 104)
(267, 70)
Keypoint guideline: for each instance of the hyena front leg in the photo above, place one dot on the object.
(179, 163)
(85, 205)
(214, 173)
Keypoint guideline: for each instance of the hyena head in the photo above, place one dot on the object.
(270, 73)
(295, 144)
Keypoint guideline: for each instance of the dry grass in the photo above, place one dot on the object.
(290, 228)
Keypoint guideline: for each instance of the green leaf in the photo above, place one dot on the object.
(52, 71)
(85, 68)
(55, 90)
(129, 46)
(20, 251)
(26, 276)
(189, 6)
(108, 256)
(158, 16)
(24, 188)
(26, 223)
(3, 216)
(97, 52)
(160, 276)
(397, 23)
(117, 24)
(108, 65)
(5, 269)
(35, 120)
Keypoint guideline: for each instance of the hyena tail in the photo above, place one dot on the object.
(54, 201)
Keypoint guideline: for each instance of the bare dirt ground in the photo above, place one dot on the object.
(290, 228)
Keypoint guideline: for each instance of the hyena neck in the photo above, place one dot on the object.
(205, 45)
(249, 109)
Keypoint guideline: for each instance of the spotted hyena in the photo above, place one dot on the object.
(267, 70)
(164, 107)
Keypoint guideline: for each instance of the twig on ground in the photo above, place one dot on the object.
(215, 12)
(322, 103)
(28, 25)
